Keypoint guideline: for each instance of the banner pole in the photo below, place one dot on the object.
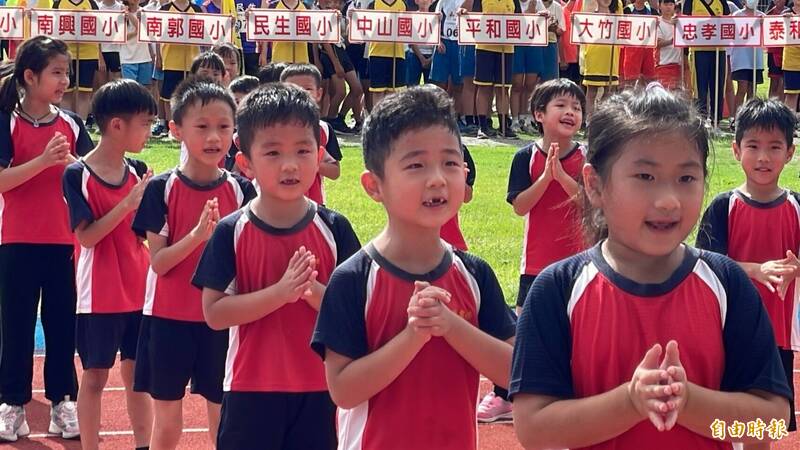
(501, 117)
(755, 81)
(716, 89)
(394, 66)
(77, 77)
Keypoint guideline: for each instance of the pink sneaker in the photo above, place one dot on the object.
(494, 408)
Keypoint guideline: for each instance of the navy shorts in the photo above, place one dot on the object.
(88, 67)
(747, 75)
(172, 352)
(112, 62)
(489, 69)
(787, 359)
(172, 78)
(380, 73)
(98, 338)
(277, 421)
(361, 64)
(791, 81)
(447, 66)
(525, 283)
(327, 65)
(467, 56)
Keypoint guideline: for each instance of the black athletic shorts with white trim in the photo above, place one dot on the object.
(98, 338)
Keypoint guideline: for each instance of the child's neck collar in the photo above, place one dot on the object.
(280, 214)
(200, 173)
(35, 108)
(411, 249)
(642, 269)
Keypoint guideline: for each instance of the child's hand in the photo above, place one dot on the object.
(208, 220)
(558, 170)
(57, 151)
(299, 276)
(432, 312)
(134, 197)
(418, 307)
(646, 391)
(547, 175)
(676, 387)
(770, 274)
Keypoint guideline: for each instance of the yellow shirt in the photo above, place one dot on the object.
(80, 51)
(388, 49)
(498, 7)
(282, 51)
(791, 58)
(179, 56)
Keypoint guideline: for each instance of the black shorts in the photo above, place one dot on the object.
(572, 73)
(112, 61)
(172, 78)
(88, 67)
(525, 283)
(99, 337)
(489, 70)
(361, 64)
(277, 421)
(327, 65)
(787, 358)
(747, 75)
(172, 352)
(251, 64)
(381, 70)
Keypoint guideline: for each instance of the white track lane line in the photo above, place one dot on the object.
(110, 433)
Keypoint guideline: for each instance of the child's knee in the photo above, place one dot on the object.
(94, 380)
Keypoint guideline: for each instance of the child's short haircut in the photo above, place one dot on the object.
(412, 109)
(271, 73)
(193, 91)
(651, 112)
(274, 104)
(121, 98)
(766, 114)
(299, 70)
(667, 1)
(547, 91)
(227, 50)
(244, 84)
(207, 60)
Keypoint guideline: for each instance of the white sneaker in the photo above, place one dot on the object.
(13, 423)
(64, 420)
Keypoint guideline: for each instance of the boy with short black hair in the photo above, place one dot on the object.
(271, 73)
(241, 86)
(758, 223)
(103, 190)
(179, 211)
(175, 59)
(263, 275)
(409, 317)
(309, 78)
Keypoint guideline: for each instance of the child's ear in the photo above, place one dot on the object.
(372, 186)
(244, 163)
(789, 153)
(592, 185)
(737, 151)
(318, 95)
(538, 116)
(175, 130)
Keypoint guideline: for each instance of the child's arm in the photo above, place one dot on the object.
(164, 257)
(134, 30)
(337, 65)
(567, 183)
(56, 152)
(329, 166)
(90, 232)
(529, 196)
(353, 381)
(222, 310)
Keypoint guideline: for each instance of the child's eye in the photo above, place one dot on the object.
(271, 153)
(645, 176)
(303, 151)
(413, 166)
(454, 163)
(688, 179)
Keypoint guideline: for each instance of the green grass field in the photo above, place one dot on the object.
(490, 227)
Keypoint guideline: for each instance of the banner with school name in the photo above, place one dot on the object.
(627, 30)
(724, 31)
(421, 28)
(166, 27)
(294, 26)
(505, 29)
(780, 31)
(11, 19)
(101, 27)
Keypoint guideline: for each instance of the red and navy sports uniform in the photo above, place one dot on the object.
(329, 141)
(175, 344)
(36, 260)
(365, 307)
(736, 225)
(269, 361)
(110, 276)
(552, 226)
(451, 231)
(565, 347)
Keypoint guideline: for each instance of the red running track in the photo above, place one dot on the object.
(115, 428)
